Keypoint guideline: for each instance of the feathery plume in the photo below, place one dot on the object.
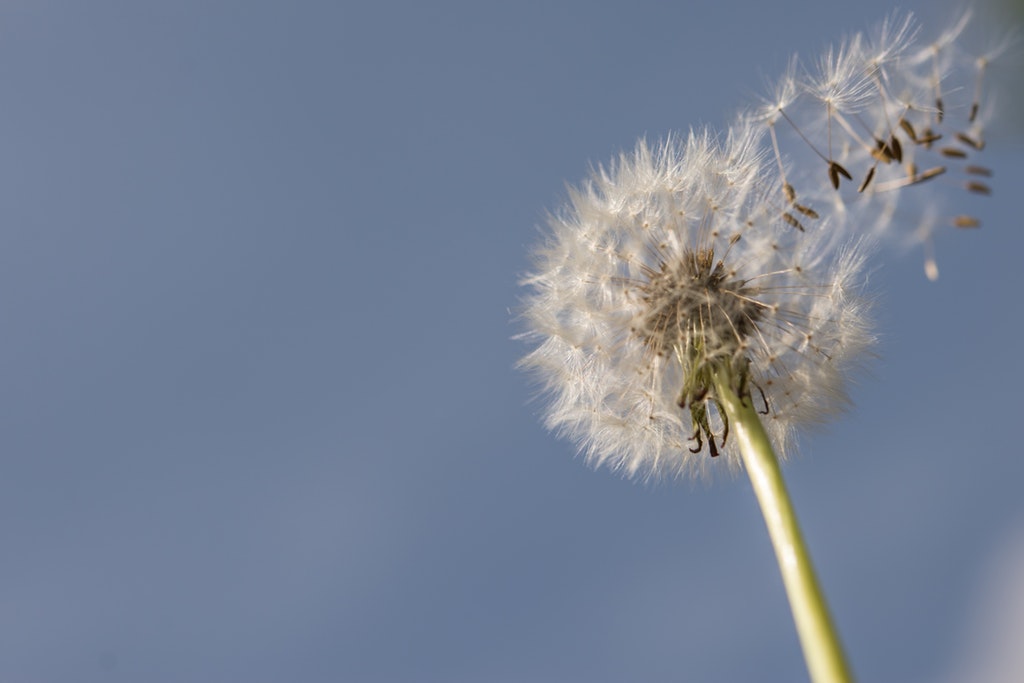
(669, 266)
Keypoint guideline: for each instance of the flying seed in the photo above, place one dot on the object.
(928, 138)
(974, 112)
(790, 193)
(968, 140)
(789, 218)
(966, 222)
(806, 210)
(867, 180)
(941, 111)
(909, 129)
(978, 188)
(953, 152)
(978, 170)
(895, 148)
(930, 173)
(834, 171)
(881, 152)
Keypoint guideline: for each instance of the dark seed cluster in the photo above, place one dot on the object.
(695, 302)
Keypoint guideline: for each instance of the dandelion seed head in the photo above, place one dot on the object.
(669, 265)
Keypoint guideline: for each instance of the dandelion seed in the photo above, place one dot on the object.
(968, 140)
(867, 180)
(931, 173)
(908, 129)
(791, 219)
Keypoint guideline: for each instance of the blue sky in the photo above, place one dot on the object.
(259, 415)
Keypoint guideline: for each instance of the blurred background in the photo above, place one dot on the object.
(259, 419)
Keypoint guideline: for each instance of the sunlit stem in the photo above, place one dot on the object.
(822, 650)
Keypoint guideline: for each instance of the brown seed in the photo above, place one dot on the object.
(974, 112)
(953, 152)
(978, 188)
(978, 170)
(806, 210)
(789, 218)
(790, 193)
(895, 148)
(909, 129)
(928, 137)
(834, 171)
(941, 110)
(930, 173)
(867, 181)
(967, 140)
(966, 222)
(881, 152)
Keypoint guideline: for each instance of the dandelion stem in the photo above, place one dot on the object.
(822, 650)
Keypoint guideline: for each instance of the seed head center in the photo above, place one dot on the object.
(696, 304)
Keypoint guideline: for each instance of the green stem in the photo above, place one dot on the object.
(822, 650)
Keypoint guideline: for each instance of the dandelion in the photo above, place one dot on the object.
(670, 269)
(700, 300)
(676, 304)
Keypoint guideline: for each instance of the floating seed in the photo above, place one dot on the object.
(908, 129)
(789, 218)
(978, 170)
(867, 180)
(930, 173)
(966, 222)
(953, 152)
(978, 188)
(968, 140)
(928, 138)
(806, 210)
(881, 152)
(834, 171)
(895, 148)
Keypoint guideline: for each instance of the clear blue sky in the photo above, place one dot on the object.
(258, 413)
